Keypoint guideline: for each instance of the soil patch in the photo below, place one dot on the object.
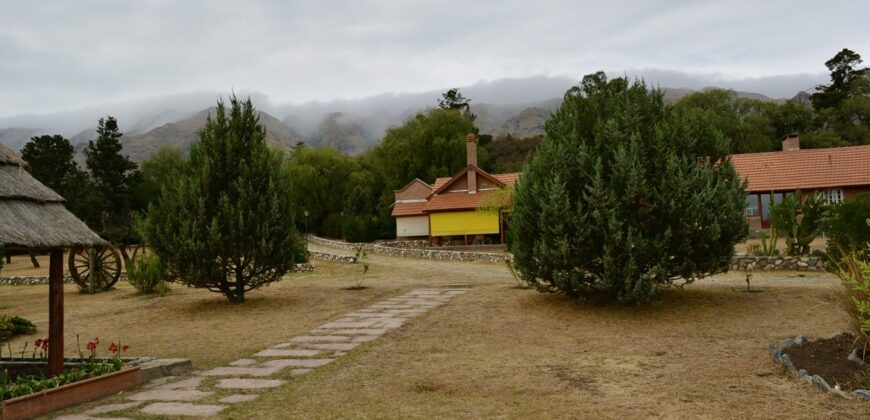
(828, 358)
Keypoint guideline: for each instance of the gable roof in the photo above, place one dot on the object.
(32, 215)
(408, 209)
(441, 184)
(804, 169)
(415, 181)
(455, 201)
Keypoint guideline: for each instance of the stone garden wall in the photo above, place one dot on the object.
(413, 249)
(326, 256)
(418, 249)
(28, 280)
(806, 263)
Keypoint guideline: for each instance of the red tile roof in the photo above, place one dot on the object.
(454, 201)
(507, 179)
(408, 209)
(451, 200)
(439, 182)
(805, 169)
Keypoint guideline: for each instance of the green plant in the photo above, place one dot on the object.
(854, 271)
(30, 384)
(225, 223)
(361, 258)
(845, 230)
(516, 275)
(625, 195)
(147, 273)
(11, 326)
(800, 222)
(768, 243)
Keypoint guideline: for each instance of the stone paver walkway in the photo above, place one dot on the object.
(245, 378)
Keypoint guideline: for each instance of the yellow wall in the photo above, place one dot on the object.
(464, 223)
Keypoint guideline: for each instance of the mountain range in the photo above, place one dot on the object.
(351, 126)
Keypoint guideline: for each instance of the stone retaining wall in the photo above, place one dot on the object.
(326, 256)
(417, 249)
(29, 280)
(807, 263)
(407, 252)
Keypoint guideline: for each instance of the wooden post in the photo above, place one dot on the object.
(55, 313)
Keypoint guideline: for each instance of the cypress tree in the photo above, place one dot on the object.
(226, 223)
(625, 195)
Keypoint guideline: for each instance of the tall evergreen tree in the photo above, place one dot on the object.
(116, 179)
(624, 195)
(51, 160)
(226, 223)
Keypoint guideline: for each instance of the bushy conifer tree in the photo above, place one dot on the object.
(226, 223)
(625, 195)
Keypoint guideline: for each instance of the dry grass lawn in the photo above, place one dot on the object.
(497, 351)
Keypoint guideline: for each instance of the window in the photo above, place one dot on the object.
(751, 205)
(834, 196)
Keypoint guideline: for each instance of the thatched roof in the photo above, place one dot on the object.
(32, 215)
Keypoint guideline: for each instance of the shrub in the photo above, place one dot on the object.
(10, 326)
(225, 223)
(854, 271)
(359, 228)
(625, 195)
(799, 221)
(846, 229)
(147, 273)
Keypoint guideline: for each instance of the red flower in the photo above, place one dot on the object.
(125, 348)
(113, 348)
(37, 343)
(45, 344)
(92, 347)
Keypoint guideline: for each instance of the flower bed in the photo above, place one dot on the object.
(824, 362)
(71, 388)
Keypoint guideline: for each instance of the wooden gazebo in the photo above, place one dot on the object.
(33, 218)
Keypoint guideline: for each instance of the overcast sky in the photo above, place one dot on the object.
(61, 55)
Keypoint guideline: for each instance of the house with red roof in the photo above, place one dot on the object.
(461, 207)
(839, 173)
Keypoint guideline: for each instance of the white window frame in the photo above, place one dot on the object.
(834, 195)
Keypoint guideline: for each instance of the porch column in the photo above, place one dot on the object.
(55, 313)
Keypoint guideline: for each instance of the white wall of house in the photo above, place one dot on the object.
(412, 226)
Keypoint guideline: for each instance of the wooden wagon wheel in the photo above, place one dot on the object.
(106, 264)
(138, 249)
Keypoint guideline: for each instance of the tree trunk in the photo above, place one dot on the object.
(237, 288)
(33, 260)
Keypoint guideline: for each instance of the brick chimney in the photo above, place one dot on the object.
(471, 153)
(791, 142)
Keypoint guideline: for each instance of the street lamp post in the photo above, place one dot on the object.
(306, 227)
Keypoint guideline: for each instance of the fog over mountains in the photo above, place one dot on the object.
(507, 106)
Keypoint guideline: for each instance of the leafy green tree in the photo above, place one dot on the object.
(509, 154)
(160, 169)
(226, 223)
(116, 179)
(427, 146)
(799, 221)
(847, 229)
(624, 196)
(746, 123)
(846, 80)
(453, 99)
(51, 161)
